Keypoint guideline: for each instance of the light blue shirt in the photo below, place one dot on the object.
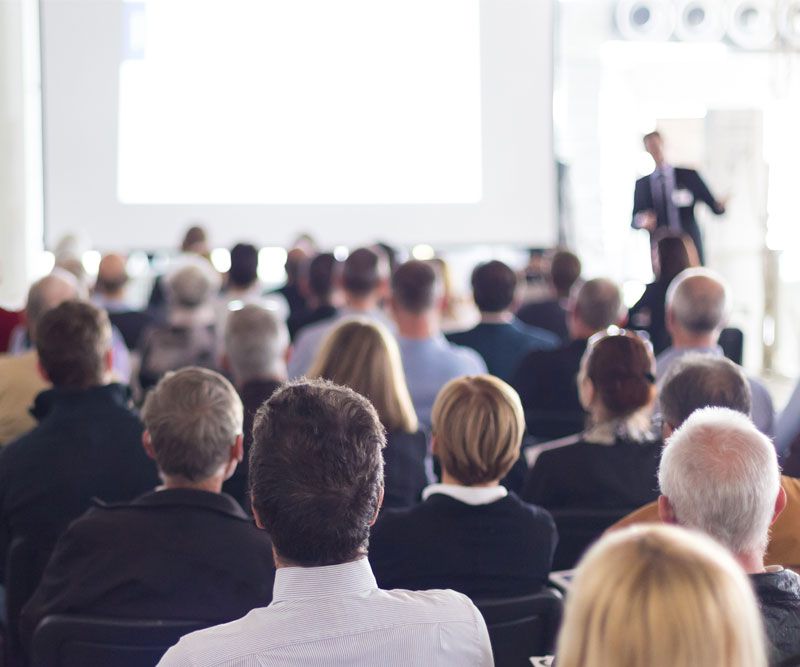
(429, 364)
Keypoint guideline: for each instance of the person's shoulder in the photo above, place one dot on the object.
(545, 339)
(467, 359)
(463, 337)
(433, 606)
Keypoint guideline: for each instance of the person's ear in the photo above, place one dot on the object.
(225, 363)
(109, 360)
(147, 443)
(256, 518)
(586, 393)
(665, 511)
(434, 443)
(42, 372)
(237, 450)
(669, 322)
(780, 505)
(378, 511)
(667, 430)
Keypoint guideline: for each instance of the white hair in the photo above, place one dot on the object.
(721, 476)
(256, 342)
(699, 300)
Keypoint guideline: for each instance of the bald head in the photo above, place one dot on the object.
(697, 303)
(596, 306)
(47, 293)
(112, 275)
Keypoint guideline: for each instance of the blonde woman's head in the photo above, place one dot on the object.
(363, 355)
(660, 596)
(478, 425)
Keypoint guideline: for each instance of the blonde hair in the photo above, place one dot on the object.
(363, 355)
(660, 596)
(478, 424)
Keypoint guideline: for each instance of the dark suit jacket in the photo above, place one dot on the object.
(407, 468)
(503, 549)
(550, 315)
(649, 314)
(171, 554)
(685, 179)
(303, 318)
(547, 386)
(131, 324)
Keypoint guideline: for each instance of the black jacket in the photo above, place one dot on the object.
(502, 549)
(408, 468)
(550, 315)
(171, 554)
(778, 596)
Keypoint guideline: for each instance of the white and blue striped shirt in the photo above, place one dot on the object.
(337, 615)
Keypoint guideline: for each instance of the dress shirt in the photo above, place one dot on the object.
(337, 615)
(469, 495)
(762, 410)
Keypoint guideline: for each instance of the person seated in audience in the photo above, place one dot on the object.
(87, 443)
(9, 320)
(470, 534)
(316, 480)
(429, 360)
(364, 282)
(697, 309)
(242, 285)
(720, 475)
(363, 355)
(193, 245)
(109, 293)
(500, 338)
(649, 312)
(552, 314)
(613, 463)
(20, 379)
(188, 338)
(256, 342)
(320, 277)
(291, 291)
(660, 596)
(698, 381)
(545, 379)
(183, 551)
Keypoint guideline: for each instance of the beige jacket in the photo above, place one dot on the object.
(20, 382)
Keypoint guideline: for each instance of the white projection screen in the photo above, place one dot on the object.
(411, 121)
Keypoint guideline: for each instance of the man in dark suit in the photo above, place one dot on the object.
(667, 197)
(183, 551)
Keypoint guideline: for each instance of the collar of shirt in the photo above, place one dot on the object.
(666, 170)
(469, 495)
(297, 583)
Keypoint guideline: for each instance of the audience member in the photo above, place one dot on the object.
(20, 379)
(183, 551)
(291, 291)
(697, 308)
(649, 312)
(194, 244)
(109, 293)
(787, 430)
(319, 280)
(363, 355)
(661, 597)
(500, 338)
(552, 313)
(470, 534)
(613, 463)
(9, 320)
(316, 480)
(364, 279)
(243, 286)
(457, 312)
(255, 342)
(545, 379)
(429, 360)
(188, 338)
(720, 475)
(87, 443)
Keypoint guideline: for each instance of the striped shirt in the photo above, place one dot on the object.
(337, 615)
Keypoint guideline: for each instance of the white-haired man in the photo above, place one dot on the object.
(698, 304)
(720, 475)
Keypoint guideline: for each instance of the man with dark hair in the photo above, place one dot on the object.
(316, 480)
(87, 443)
(500, 338)
(183, 551)
(546, 379)
(244, 265)
(551, 314)
(319, 280)
(364, 281)
(429, 360)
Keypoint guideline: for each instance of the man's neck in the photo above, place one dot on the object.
(212, 484)
(278, 376)
(503, 317)
(416, 327)
(685, 340)
(362, 304)
(753, 563)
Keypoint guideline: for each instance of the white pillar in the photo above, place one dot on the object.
(21, 199)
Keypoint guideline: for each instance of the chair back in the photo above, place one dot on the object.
(731, 340)
(578, 529)
(87, 641)
(23, 570)
(522, 627)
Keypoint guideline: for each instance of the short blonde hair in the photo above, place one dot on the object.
(660, 596)
(478, 424)
(363, 355)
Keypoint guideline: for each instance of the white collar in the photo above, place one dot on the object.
(469, 495)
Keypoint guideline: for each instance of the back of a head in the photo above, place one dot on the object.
(316, 472)
(415, 287)
(565, 270)
(494, 285)
(700, 381)
(620, 368)
(112, 274)
(255, 343)
(195, 240)
(660, 596)
(193, 417)
(598, 304)
(698, 300)
(363, 355)
(47, 293)
(478, 424)
(322, 275)
(363, 272)
(721, 476)
(673, 257)
(244, 265)
(190, 287)
(72, 341)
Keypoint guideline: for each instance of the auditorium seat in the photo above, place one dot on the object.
(578, 529)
